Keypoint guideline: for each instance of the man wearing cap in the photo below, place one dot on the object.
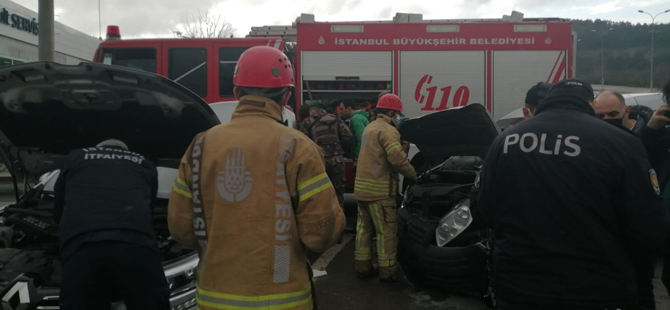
(568, 199)
(330, 133)
(533, 97)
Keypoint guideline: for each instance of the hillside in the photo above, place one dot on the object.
(626, 51)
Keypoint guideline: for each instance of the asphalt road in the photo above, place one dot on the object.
(340, 289)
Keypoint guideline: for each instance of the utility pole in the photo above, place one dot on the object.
(602, 58)
(47, 45)
(99, 20)
(651, 69)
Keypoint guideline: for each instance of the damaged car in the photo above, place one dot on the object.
(441, 243)
(48, 110)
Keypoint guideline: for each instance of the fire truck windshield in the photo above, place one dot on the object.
(136, 58)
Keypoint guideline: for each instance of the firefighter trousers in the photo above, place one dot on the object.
(377, 217)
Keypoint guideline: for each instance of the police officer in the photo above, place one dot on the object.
(103, 202)
(656, 138)
(533, 97)
(589, 196)
(331, 133)
(252, 196)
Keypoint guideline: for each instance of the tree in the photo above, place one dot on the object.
(208, 24)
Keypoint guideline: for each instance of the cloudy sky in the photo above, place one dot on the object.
(158, 18)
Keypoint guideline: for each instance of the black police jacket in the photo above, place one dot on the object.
(105, 188)
(657, 144)
(569, 198)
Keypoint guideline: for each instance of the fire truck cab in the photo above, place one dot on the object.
(205, 66)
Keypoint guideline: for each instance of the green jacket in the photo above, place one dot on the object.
(357, 125)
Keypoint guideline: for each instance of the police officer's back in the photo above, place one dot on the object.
(567, 197)
(103, 200)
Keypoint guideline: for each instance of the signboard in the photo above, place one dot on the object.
(19, 22)
(423, 36)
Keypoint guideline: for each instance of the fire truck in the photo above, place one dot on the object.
(205, 66)
(432, 65)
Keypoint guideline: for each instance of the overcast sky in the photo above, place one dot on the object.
(157, 18)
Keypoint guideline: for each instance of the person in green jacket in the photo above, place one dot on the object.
(358, 120)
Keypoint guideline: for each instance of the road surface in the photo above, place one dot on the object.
(340, 289)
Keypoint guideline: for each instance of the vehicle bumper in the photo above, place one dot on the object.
(454, 269)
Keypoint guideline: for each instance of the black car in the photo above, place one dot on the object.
(48, 110)
(440, 242)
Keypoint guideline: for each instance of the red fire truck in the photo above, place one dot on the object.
(205, 66)
(431, 64)
(434, 65)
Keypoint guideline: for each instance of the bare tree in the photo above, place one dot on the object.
(208, 24)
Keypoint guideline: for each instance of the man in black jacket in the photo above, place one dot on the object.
(588, 197)
(103, 200)
(656, 138)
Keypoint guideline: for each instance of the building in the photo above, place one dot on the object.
(19, 31)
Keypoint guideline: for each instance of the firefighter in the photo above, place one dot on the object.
(331, 133)
(252, 194)
(380, 159)
(103, 204)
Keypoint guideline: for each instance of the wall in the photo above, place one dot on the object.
(72, 46)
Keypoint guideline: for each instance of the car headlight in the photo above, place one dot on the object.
(454, 223)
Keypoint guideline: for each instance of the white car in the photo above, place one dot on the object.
(651, 100)
(46, 111)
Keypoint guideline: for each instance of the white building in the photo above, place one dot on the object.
(19, 31)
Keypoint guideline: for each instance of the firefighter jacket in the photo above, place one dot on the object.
(380, 160)
(252, 195)
(329, 132)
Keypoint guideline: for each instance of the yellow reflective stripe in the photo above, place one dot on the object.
(312, 181)
(182, 192)
(379, 223)
(182, 182)
(371, 181)
(313, 186)
(391, 147)
(235, 302)
(371, 186)
(363, 254)
(371, 191)
(180, 187)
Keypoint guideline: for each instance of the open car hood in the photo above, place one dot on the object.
(51, 108)
(464, 131)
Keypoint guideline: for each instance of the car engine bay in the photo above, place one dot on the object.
(29, 237)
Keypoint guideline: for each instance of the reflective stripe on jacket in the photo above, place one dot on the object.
(379, 161)
(266, 197)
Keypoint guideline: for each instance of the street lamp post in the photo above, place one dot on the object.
(602, 58)
(651, 69)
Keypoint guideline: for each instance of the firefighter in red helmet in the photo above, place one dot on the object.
(380, 160)
(252, 195)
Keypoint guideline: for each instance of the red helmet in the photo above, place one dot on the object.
(390, 101)
(263, 67)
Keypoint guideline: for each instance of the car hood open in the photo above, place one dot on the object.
(53, 108)
(464, 131)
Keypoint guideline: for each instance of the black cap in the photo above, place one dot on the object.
(318, 104)
(572, 88)
(536, 93)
